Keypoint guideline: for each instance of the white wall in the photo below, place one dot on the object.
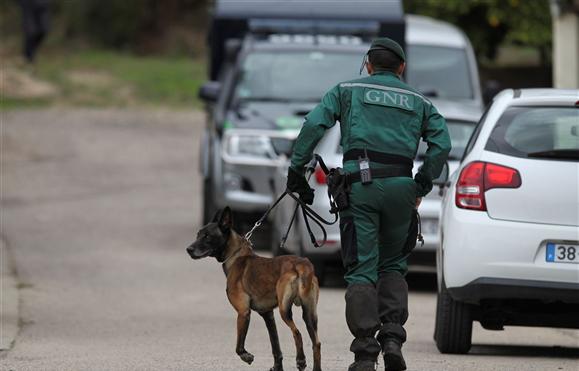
(566, 50)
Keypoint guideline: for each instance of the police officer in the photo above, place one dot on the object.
(382, 120)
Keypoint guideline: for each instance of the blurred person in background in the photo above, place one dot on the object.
(35, 25)
(382, 120)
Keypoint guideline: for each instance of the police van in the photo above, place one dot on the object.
(270, 62)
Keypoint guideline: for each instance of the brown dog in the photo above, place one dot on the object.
(261, 284)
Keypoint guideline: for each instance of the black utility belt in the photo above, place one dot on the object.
(340, 182)
(389, 172)
(378, 157)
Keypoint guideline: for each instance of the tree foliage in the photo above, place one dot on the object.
(489, 23)
(151, 26)
(145, 26)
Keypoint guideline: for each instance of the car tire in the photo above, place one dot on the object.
(453, 328)
(209, 208)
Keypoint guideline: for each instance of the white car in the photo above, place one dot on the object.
(509, 252)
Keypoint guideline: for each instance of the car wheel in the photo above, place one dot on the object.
(453, 329)
(209, 208)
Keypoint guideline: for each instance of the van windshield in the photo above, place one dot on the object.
(290, 75)
(295, 75)
(439, 72)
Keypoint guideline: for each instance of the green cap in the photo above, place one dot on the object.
(385, 43)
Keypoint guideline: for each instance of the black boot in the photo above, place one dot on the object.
(393, 311)
(393, 359)
(363, 366)
(363, 322)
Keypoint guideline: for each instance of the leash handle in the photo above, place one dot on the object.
(322, 164)
(311, 168)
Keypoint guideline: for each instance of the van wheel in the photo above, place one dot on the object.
(453, 329)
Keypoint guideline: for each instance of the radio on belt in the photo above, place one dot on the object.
(364, 166)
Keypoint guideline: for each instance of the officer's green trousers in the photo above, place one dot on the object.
(375, 227)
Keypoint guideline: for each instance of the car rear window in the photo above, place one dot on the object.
(537, 132)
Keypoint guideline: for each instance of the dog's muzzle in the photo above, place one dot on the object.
(196, 253)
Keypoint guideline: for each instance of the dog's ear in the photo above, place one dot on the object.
(217, 216)
(226, 218)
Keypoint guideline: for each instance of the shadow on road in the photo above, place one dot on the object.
(421, 282)
(524, 351)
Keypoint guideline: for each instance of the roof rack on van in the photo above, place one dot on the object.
(314, 26)
(363, 18)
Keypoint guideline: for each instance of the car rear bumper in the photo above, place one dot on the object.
(475, 247)
(502, 288)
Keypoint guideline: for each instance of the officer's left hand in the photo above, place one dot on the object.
(296, 182)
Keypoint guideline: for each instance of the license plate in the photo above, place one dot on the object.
(562, 253)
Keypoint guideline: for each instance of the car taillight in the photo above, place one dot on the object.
(497, 176)
(477, 178)
(469, 188)
(320, 176)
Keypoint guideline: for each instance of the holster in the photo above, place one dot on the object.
(338, 190)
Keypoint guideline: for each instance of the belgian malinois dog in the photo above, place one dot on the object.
(261, 284)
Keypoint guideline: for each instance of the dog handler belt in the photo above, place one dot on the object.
(379, 157)
(388, 172)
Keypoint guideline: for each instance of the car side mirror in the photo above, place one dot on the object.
(209, 92)
(232, 48)
(283, 146)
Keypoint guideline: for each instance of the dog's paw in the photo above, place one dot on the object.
(246, 357)
(276, 368)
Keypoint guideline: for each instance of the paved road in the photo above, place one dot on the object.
(98, 207)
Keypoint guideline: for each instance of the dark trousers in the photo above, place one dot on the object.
(35, 24)
(373, 232)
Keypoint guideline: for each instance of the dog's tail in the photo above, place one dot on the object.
(307, 282)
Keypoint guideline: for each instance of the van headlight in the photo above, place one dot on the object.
(250, 147)
(257, 147)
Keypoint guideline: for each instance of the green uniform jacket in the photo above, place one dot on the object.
(379, 113)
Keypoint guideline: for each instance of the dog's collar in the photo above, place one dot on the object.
(230, 256)
(223, 264)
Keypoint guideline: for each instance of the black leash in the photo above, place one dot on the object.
(307, 212)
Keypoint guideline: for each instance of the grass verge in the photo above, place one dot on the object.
(97, 78)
